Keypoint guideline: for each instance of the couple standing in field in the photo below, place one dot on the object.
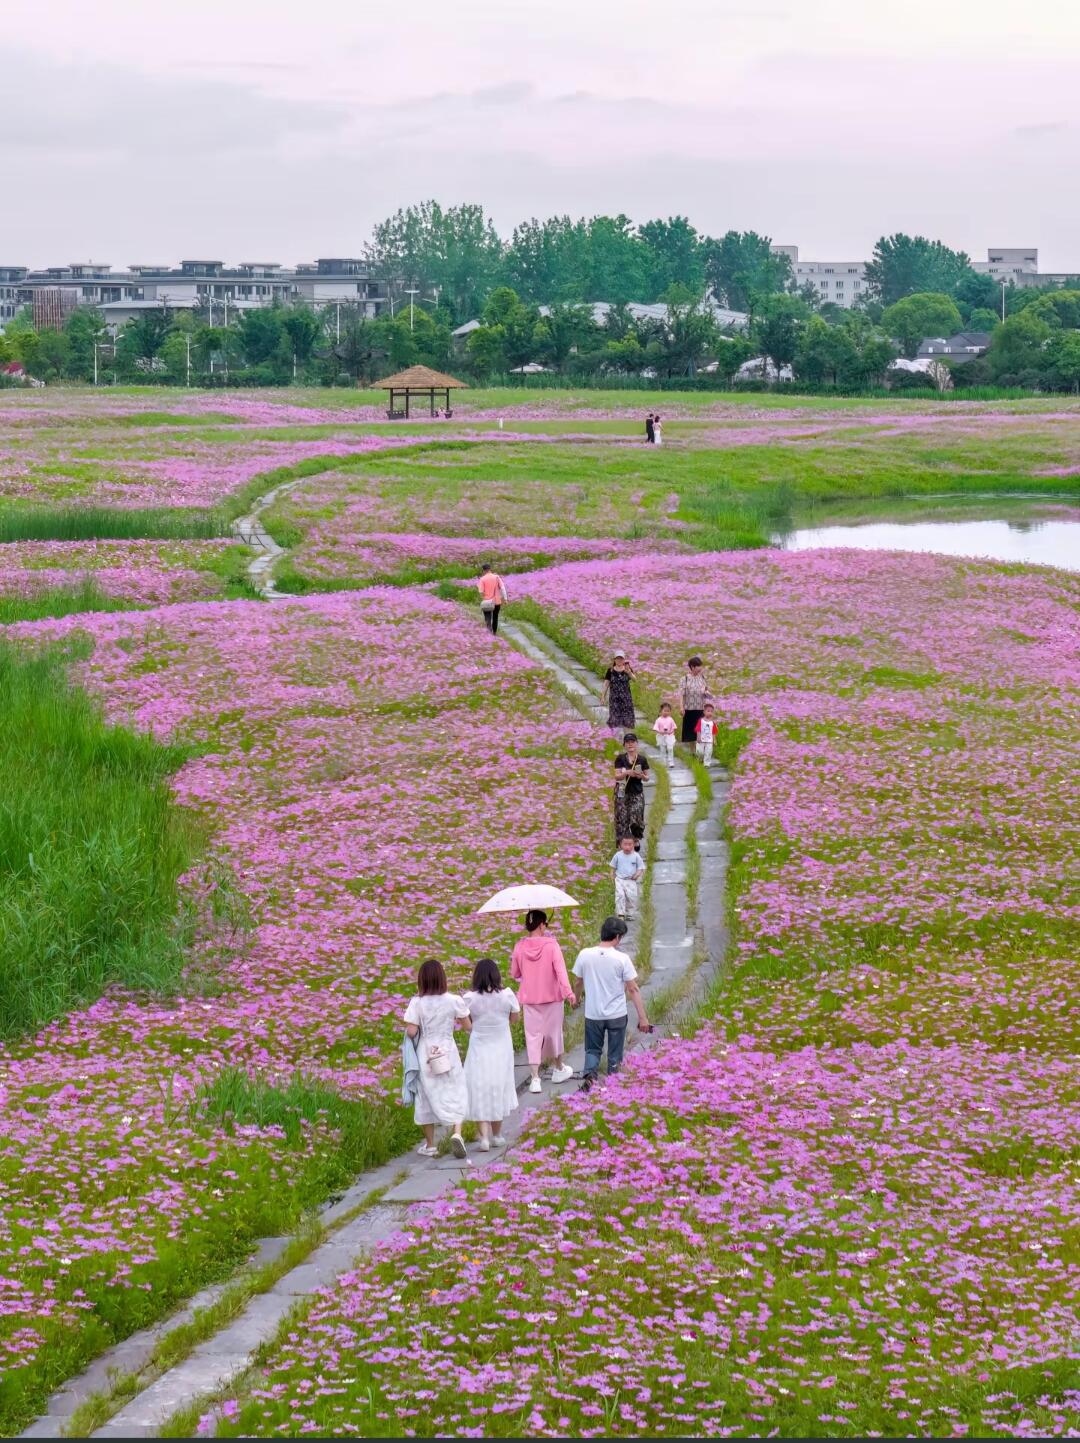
(654, 429)
(443, 1090)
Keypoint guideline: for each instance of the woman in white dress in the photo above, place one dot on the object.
(489, 1067)
(442, 1094)
(658, 431)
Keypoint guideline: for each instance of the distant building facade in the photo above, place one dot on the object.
(841, 282)
(194, 284)
(1019, 266)
(964, 346)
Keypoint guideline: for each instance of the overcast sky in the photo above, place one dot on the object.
(139, 131)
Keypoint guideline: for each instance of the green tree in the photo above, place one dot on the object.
(563, 331)
(687, 337)
(361, 345)
(84, 330)
(1017, 350)
(742, 266)
(454, 252)
(777, 328)
(904, 265)
(618, 260)
(982, 320)
(1059, 308)
(977, 292)
(548, 261)
(674, 256)
(912, 319)
(141, 339)
(302, 327)
(1062, 360)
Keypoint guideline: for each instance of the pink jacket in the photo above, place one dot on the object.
(537, 962)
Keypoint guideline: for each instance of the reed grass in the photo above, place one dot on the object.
(91, 847)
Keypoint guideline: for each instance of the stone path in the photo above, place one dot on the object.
(383, 1195)
(250, 530)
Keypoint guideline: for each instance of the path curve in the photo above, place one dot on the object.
(376, 1206)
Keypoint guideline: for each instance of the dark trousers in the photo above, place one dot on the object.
(690, 720)
(491, 619)
(595, 1033)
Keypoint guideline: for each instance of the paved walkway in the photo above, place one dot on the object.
(677, 940)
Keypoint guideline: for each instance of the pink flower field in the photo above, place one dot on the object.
(848, 1202)
(368, 767)
(142, 573)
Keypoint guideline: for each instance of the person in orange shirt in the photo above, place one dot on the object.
(492, 589)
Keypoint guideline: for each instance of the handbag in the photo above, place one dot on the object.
(438, 1059)
(487, 606)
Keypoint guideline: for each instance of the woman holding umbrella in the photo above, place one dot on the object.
(538, 963)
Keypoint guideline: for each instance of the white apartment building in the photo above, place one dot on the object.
(193, 285)
(842, 282)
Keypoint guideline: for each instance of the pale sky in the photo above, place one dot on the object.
(142, 131)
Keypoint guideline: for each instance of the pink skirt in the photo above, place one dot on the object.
(543, 1030)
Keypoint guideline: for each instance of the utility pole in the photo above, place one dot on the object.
(337, 322)
(411, 292)
(1003, 301)
(187, 348)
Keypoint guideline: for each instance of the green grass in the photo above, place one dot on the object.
(82, 596)
(91, 846)
(87, 523)
(369, 1132)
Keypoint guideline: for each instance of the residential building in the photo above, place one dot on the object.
(194, 284)
(841, 282)
(964, 346)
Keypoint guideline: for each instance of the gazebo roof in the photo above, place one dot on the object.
(420, 378)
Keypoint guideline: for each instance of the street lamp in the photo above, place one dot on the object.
(1003, 301)
(101, 346)
(411, 292)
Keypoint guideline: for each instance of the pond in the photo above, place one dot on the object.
(998, 529)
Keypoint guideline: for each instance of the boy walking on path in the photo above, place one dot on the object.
(706, 734)
(629, 870)
(606, 977)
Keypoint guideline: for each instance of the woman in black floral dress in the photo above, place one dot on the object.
(617, 694)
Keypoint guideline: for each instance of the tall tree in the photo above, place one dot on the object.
(742, 266)
(914, 318)
(674, 256)
(454, 252)
(777, 328)
(1017, 350)
(84, 330)
(618, 260)
(903, 265)
(548, 261)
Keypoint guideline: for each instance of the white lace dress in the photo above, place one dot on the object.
(489, 1065)
(441, 1097)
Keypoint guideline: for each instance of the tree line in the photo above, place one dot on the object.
(530, 298)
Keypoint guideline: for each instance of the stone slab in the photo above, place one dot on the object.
(422, 1186)
(669, 873)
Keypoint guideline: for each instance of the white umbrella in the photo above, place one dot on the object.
(524, 898)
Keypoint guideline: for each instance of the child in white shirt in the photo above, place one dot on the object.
(664, 727)
(629, 870)
(706, 730)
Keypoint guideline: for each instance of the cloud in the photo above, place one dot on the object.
(64, 109)
(1041, 127)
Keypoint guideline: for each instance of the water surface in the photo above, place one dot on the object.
(1047, 540)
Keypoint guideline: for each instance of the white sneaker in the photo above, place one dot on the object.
(457, 1146)
(497, 1140)
(484, 1145)
(534, 1085)
(562, 1074)
(425, 1151)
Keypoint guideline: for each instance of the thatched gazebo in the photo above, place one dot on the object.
(418, 381)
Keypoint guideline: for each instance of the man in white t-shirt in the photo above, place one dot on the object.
(606, 977)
